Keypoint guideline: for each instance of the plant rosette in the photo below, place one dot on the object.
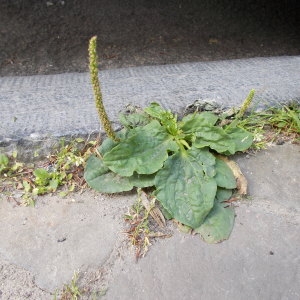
(179, 159)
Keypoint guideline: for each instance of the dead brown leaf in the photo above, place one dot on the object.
(154, 211)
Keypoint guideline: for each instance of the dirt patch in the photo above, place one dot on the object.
(43, 37)
(17, 283)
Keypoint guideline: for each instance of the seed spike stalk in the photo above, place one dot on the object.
(93, 66)
(247, 102)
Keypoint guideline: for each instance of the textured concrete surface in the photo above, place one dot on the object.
(41, 247)
(60, 236)
(35, 107)
(36, 111)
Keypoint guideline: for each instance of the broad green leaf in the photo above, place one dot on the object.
(242, 138)
(109, 143)
(134, 119)
(224, 176)
(223, 195)
(141, 181)
(100, 178)
(144, 152)
(195, 122)
(218, 224)
(186, 187)
(216, 138)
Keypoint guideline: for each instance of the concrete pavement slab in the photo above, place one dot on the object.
(260, 260)
(59, 236)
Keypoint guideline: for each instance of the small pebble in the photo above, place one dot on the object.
(61, 240)
(280, 142)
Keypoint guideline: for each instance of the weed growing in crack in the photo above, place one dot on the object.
(183, 161)
(138, 232)
(62, 170)
(273, 125)
(70, 291)
(143, 219)
(177, 159)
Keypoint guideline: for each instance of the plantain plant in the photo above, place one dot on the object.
(179, 159)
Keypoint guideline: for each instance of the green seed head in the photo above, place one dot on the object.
(93, 65)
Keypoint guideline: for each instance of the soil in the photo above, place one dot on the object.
(46, 37)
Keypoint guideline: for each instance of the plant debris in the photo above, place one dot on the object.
(143, 228)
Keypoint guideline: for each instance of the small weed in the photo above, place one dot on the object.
(70, 291)
(63, 169)
(95, 295)
(142, 227)
(137, 217)
(276, 124)
(4, 161)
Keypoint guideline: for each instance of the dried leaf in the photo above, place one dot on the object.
(154, 211)
(159, 235)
